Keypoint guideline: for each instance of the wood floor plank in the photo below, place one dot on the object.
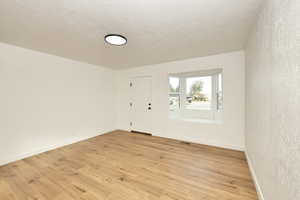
(122, 165)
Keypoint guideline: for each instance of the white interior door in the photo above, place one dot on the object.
(141, 105)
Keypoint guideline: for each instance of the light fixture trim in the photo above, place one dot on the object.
(115, 39)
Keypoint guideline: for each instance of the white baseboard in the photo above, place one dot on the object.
(209, 143)
(10, 159)
(257, 185)
(205, 142)
(225, 146)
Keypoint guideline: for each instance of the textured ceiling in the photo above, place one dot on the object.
(157, 30)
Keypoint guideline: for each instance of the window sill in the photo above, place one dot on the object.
(201, 121)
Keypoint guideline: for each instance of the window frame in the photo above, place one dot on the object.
(215, 108)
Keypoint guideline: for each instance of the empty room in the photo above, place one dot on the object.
(150, 100)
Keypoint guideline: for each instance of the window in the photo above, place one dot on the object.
(196, 95)
(174, 95)
(219, 92)
(199, 93)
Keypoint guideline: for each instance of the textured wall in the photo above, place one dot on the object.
(273, 99)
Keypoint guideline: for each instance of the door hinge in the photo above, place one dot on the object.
(130, 84)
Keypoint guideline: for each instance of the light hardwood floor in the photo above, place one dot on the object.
(128, 166)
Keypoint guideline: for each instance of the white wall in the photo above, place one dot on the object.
(273, 100)
(230, 134)
(48, 101)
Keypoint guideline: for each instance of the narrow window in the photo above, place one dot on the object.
(174, 93)
(219, 92)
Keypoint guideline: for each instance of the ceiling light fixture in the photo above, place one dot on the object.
(115, 39)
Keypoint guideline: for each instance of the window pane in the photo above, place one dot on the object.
(220, 82)
(174, 102)
(173, 84)
(199, 93)
(219, 93)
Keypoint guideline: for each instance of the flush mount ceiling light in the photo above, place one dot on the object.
(115, 39)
